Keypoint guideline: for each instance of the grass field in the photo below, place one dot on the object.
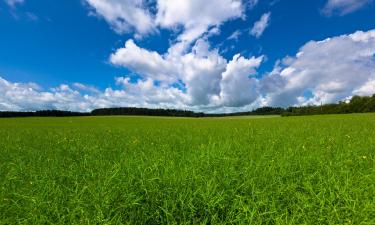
(134, 170)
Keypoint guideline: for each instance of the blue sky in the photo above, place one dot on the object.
(214, 55)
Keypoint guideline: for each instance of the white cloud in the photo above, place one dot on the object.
(200, 69)
(261, 25)
(143, 62)
(124, 15)
(343, 7)
(143, 93)
(196, 16)
(329, 71)
(29, 96)
(13, 3)
(237, 89)
(208, 77)
(151, 95)
(235, 35)
(366, 89)
(87, 88)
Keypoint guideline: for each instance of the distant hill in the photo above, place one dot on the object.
(356, 105)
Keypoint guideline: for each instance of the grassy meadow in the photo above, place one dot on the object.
(144, 170)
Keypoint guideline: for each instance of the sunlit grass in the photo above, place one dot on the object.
(134, 170)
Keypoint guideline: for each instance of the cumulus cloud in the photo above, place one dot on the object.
(202, 70)
(195, 17)
(324, 71)
(29, 96)
(237, 88)
(143, 62)
(124, 15)
(143, 93)
(343, 7)
(261, 25)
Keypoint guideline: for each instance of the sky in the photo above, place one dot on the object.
(209, 56)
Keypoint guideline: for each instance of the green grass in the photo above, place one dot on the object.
(134, 170)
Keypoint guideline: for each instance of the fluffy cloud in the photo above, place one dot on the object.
(237, 88)
(343, 7)
(143, 93)
(195, 17)
(124, 15)
(200, 70)
(324, 71)
(208, 78)
(146, 94)
(21, 96)
(143, 62)
(261, 25)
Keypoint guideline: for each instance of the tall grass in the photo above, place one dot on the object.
(134, 170)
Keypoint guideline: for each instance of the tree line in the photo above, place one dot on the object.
(129, 111)
(42, 113)
(357, 104)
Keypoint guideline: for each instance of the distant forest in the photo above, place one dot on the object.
(43, 113)
(356, 105)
